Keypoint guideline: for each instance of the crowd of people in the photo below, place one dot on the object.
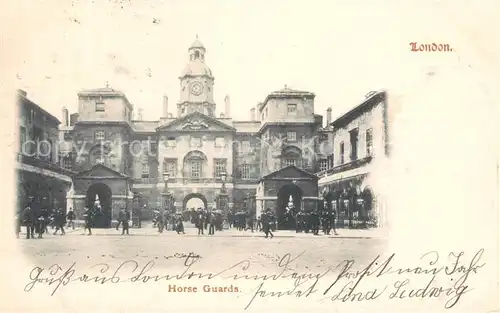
(37, 218)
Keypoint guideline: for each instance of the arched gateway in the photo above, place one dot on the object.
(99, 198)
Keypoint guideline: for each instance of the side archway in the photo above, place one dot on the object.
(102, 208)
(285, 215)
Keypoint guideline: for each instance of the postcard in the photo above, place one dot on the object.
(250, 156)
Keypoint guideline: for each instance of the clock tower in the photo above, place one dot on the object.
(197, 84)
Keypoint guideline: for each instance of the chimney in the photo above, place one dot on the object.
(328, 116)
(65, 116)
(252, 114)
(139, 114)
(227, 103)
(165, 106)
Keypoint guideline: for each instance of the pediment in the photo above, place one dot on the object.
(289, 172)
(195, 122)
(100, 171)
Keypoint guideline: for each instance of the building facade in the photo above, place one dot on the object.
(40, 177)
(351, 181)
(189, 152)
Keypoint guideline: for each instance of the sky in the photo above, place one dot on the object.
(339, 50)
(253, 48)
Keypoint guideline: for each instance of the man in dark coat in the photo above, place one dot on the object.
(333, 218)
(267, 219)
(59, 221)
(87, 217)
(29, 222)
(125, 222)
(71, 218)
(315, 221)
(200, 222)
(211, 222)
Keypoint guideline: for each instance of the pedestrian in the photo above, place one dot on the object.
(259, 224)
(200, 222)
(29, 220)
(71, 218)
(179, 226)
(121, 217)
(266, 223)
(333, 217)
(160, 222)
(211, 229)
(125, 222)
(87, 217)
(59, 221)
(315, 223)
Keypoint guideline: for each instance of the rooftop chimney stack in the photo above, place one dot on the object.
(165, 106)
(227, 103)
(328, 116)
(139, 114)
(252, 114)
(65, 116)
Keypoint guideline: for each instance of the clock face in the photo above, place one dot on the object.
(196, 88)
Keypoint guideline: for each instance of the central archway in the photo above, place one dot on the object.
(102, 212)
(285, 215)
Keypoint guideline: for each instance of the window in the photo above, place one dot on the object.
(246, 147)
(30, 116)
(220, 142)
(99, 135)
(220, 166)
(353, 134)
(291, 136)
(323, 165)
(342, 152)
(170, 167)
(195, 168)
(99, 106)
(369, 142)
(22, 139)
(262, 116)
(266, 112)
(196, 142)
(66, 162)
(292, 109)
(289, 162)
(329, 161)
(245, 171)
(171, 142)
(145, 170)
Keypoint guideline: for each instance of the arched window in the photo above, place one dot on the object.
(196, 55)
(291, 155)
(194, 164)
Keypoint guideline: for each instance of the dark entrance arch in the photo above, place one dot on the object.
(102, 214)
(189, 213)
(286, 218)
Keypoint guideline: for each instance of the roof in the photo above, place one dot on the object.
(23, 99)
(196, 68)
(371, 100)
(144, 126)
(289, 169)
(192, 114)
(197, 44)
(247, 126)
(101, 91)
(287, 92)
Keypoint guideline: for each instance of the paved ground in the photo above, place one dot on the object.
(106, 249)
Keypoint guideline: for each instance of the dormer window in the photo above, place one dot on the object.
(292, 109)
(99, 106)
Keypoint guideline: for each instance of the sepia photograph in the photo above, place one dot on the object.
(323, 169)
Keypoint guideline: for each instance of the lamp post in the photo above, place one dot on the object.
(222, 203)
(167, 195)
